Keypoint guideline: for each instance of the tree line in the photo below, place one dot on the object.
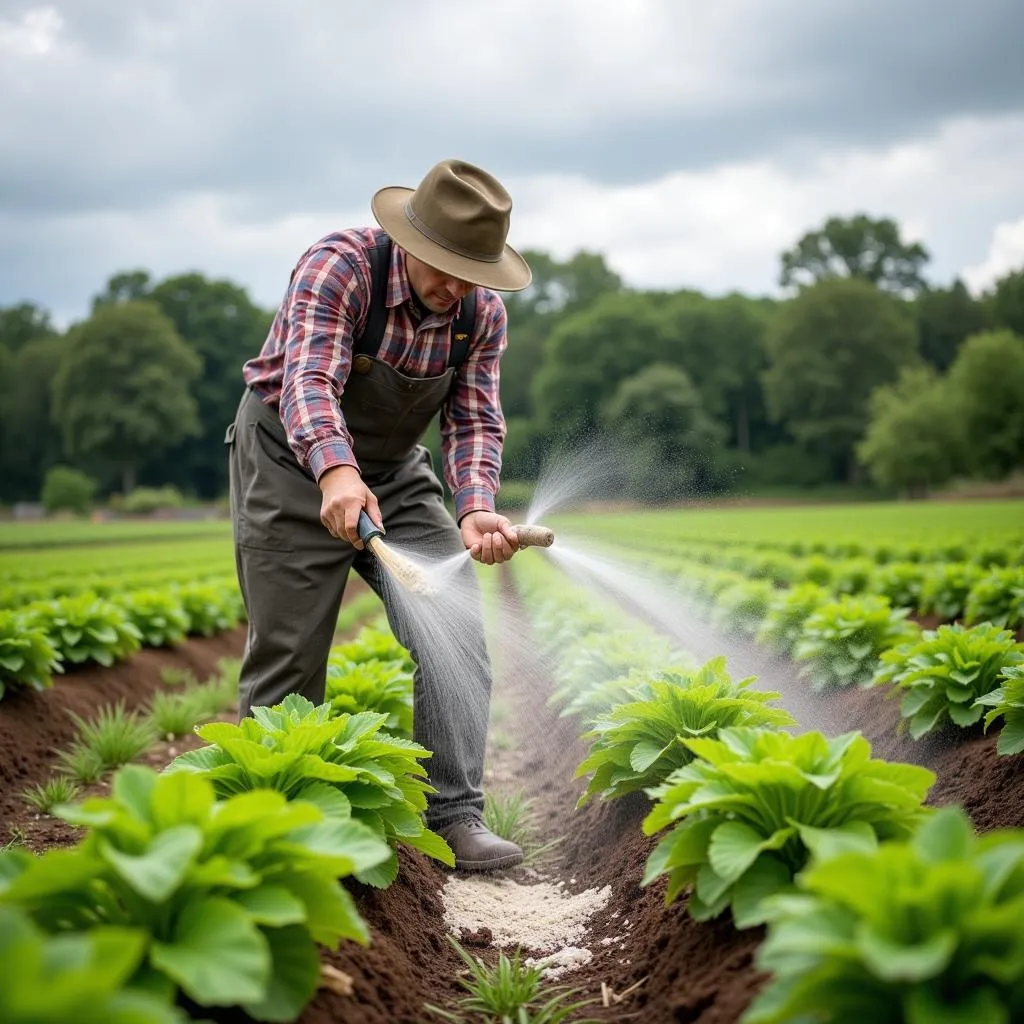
(863, 370)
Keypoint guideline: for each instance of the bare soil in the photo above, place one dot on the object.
(670, 968)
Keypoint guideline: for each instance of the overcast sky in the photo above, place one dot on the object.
(690, 142)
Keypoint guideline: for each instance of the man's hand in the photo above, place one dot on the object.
(489, 537)
(345, 496)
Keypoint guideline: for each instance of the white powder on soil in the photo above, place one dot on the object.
(540, 917)
(558, 963)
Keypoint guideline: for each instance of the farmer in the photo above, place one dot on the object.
(379, 331)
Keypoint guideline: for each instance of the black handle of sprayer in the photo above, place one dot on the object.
(366, 528)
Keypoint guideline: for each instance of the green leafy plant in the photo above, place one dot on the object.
(376, 778)
(900, 582)
(743, 606)
(841, 642)
(945, 589)
(28, 657)
(638, 744)
(175, 713)
(510, 992)
(788, 611)
(372, 685)
(211, 607)
(998, 598)
(87, 628)
(58, 790)
(81, 764)
(115, 735)
(748, 813)
(943, 673)
(374, 643)
(231, 897)
(46, 979)
(922, 930)
(853, 575)
(158, 615)
(1007, 701)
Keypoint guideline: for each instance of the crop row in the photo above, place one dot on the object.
(42, 638)
(946, 589)
(863, 639)
(876, 905)
(214, 882)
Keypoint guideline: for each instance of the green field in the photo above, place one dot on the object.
(64, 533)
(926, 522)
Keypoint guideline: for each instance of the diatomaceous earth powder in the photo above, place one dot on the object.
(540, 917)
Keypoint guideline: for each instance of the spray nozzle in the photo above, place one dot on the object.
(367, 528)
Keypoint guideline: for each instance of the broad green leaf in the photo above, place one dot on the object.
(330, 912)
(381, 875)
(854, 836)
(216, 954)
(294, 976)
(272, 905)
(432, 845)
(894, 961)
(645, 753)
(946, 836)
(156, 873)
(923, 1005)
(766, 877)
(735, 846)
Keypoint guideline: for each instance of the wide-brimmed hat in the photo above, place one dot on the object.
(456, 221)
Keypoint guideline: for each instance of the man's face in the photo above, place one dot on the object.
(436, 290)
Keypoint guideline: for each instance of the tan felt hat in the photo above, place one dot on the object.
(455, 221)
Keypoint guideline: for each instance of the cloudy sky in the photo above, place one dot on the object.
(688, 141)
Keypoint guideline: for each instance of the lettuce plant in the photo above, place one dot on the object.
(158, 615)
(372, 685)
(638, 744)
(212, 607)
(27, 655)
(87, 628)
(76, 977)
(1007, 700)
(748, 812)
(923, 930)
(784, 621)
(231, 897)
(743, 606)
(997, 597)
(900, 582)
(945, 589)
(373, 644)
(376, 778)
(853, 575)
(841, 642)
(945, 671)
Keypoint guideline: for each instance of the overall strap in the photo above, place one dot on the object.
(369, 342)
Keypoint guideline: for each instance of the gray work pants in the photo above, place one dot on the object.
(293, 572)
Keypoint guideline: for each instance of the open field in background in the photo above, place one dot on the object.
(61, 533)
(869, 522)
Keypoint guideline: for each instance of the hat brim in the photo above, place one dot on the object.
(510, 273)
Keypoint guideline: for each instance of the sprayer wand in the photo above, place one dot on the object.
(411, 576)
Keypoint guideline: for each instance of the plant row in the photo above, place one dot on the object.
(213, 883)
(42, 638)
(876, 905)
(946, 589)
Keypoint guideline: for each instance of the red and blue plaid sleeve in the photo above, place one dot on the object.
(325, 300)
(472, 424)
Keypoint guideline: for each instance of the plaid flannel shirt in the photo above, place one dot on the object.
(304, 363)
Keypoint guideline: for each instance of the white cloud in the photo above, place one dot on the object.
(34, 35)
(724, 228)
(1005, 253)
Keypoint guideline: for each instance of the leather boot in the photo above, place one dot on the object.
(477, 848)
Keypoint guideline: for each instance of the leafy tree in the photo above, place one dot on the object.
(22, 323)
(589, 353)
(223, 326)
(828, 349)
(65, 487)
(915, 439)
(31, 443)
(1007, 302)
(987, 384)
(657, 415)
(945, 317)
(558, 290)
(127, 286)
(122, 392)
(860, 247)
